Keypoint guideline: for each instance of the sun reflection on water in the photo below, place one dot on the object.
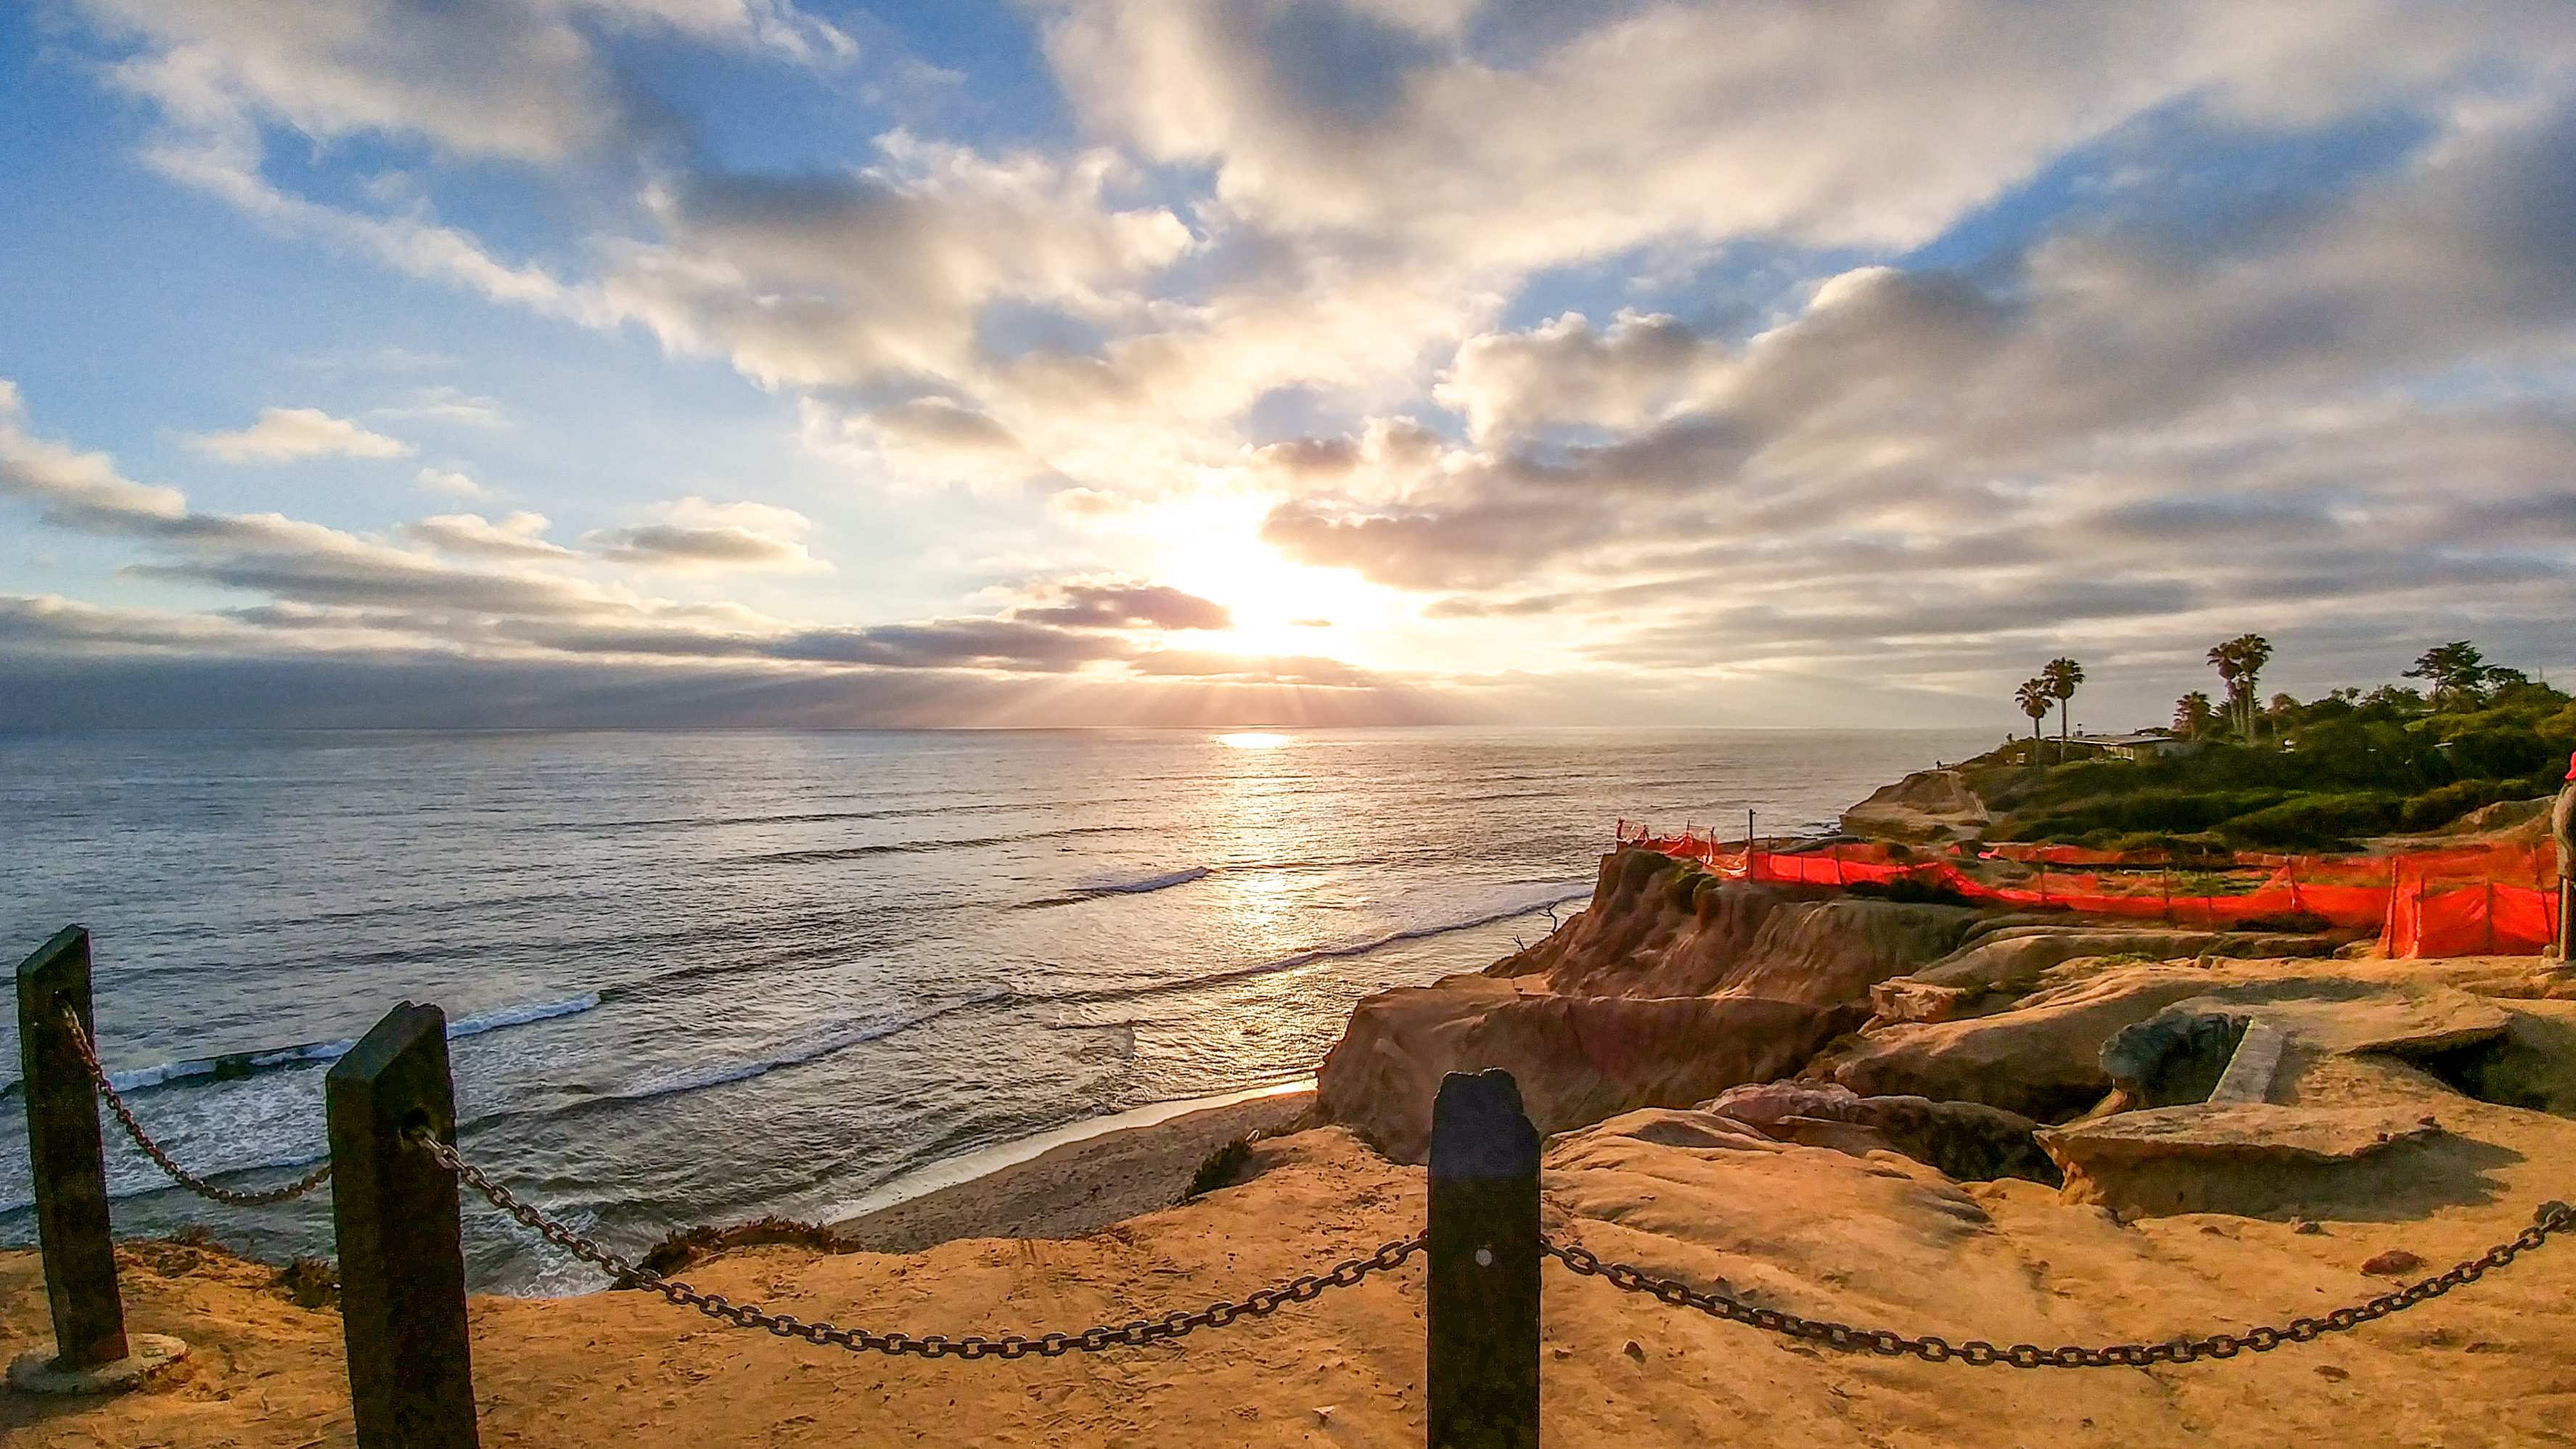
(1252, 740)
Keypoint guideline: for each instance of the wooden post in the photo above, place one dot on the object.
(1481, 1370)
(402, 1262)
(68, 1160)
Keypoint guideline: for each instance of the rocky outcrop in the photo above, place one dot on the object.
(1966, 1140)
(2001, 963)
(2254, 1160)
(2043, 1059)
(1671, 987)
(1662, 927)
(1927, 807)
(1578, 1059)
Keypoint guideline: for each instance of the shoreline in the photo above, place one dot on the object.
(1069, 1181)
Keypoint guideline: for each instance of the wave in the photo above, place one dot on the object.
(233, 1065)
(924, 847)
(156, 1184)
(952, 805)
(1093, 890)
(812, 1048)
(1097, 995)
(1146, 884)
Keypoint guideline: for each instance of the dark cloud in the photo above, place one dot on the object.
(1127, 606)
(428, 691)
(950, 644)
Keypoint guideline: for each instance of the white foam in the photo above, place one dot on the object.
(1142, 885)
(812, 1048)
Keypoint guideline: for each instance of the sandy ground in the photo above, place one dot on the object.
(1078, 1188)
(1869, 1240)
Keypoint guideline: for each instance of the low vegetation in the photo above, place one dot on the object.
(2294, 775)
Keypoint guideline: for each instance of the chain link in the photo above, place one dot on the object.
(160, 1156)
(2552, 1217)
(1136, 1334)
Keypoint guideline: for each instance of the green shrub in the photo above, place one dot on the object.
(2316, 820)
(2443, 804)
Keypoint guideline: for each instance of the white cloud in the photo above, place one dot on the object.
(287, 434)
(445, 404)
(450, 482)
(763, 270)
(517, 535)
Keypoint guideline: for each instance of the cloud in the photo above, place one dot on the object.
(288, 434)
(693, 533)
(518, 535)
(1299, 669)
(758, 268)
(451, 482)
(445, 404)
(1513, 385)
(467, 597)
(521, 80)
(1520, 147)
(1125, 606)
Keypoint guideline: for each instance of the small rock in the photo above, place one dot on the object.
(1635, 1350)
(2302, 1225)
(1561, 1354)
(2394, 1263)
(1324, 1415)
(2331, 1374)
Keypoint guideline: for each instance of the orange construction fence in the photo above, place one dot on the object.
(2494, 899)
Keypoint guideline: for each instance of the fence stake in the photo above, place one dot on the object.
(1481, 1370)
(402, 1261)
(68, 1160)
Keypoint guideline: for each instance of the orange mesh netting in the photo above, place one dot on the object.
(2497, 898)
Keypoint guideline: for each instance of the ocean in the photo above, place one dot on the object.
(700, 977)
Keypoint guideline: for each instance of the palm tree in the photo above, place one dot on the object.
(2033, 697)
(2230, 665)
(2062, 675)
(2253, 651)
(2193, 715)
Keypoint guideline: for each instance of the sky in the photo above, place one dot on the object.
(1324, 362)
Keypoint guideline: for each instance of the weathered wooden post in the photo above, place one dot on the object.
(91, 1350)
(402, 1258)
(1481, 1373)
(67, 1157)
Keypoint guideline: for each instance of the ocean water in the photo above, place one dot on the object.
(697, 977)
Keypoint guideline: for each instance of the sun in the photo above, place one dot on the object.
(1212, 547)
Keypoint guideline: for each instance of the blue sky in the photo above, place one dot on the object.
(731, 361)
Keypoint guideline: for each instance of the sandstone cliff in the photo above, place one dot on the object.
(1671, 987)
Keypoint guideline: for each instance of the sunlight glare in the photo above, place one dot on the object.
(1213, 548)
(1252, 740)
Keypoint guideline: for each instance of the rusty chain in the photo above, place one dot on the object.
(2552, 1217)
(1136, 1334)
(160, 1156)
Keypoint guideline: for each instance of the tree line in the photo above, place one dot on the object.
(2457, 673)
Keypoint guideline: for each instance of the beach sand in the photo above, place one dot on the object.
(1876, 1240)
(1078, 1187)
